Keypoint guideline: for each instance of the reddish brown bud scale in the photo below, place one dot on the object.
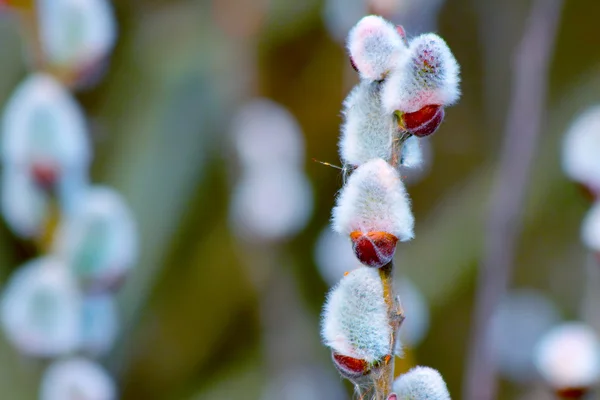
(374, 249)
(349, 367)
(402, 33)
(44, 174)
(588, 192)
(423, 122)
(393, 396)
(353, 64)
(572, 393)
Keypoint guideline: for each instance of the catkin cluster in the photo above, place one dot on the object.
(61, 305)
(405, 85)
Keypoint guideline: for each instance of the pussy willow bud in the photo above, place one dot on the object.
(375, 47)
(421, 383)
(367, 130)
(568, 358)
(355, 323)
(77, 378)
(374, 210)
(76, 36)
(40, 309)
(581, 147)
(412, 153)
(430, 77)
(99, 240)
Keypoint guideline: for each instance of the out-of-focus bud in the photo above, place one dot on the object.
(590, 231)
(334, 256)
(99, 240)
(412, 154)
(40, 309)
(271, 204)
(568, 358)
(374, 249)
(99, 324)
(76, 35)
(373, 208)
(355, 323)
(581, 147)
(43, 129)
(521, 319)
(430, 77)
(267, 136)
(340, 16)
(423, 122)
(421, 383)
(367, 131)
(77, 379)
(302, 382)
(375, 47)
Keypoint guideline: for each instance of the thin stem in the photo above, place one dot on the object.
(521, 138)
(384, 379)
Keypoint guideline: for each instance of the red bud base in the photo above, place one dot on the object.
(374, 249)
(44, 175)
(351, 368)
(588, 192)
(423, 122)
(572, 393)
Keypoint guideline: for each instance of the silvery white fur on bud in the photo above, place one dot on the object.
(590, 231)
(374, 200)
(581, 147)
(375, 47)
(76, 34)
(42, 123)
(430, 76)
(77, 378)
(40, 309)
(99, 240)
(568, 356)
(367, 131)
(421, 383)
(355, 319)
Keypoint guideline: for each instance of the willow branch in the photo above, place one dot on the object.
(521, 136)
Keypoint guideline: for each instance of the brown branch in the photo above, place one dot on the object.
(522, 132)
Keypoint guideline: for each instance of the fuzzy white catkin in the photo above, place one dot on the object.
(77, 378)
(266, 135)
(355, 319)
(40, 309)
(430, 76)
(376, 47)
(568, 356)
(75, 34)
(367, 131)
(374, 200)
(43, 123)
(590, 231)
(421, 383)
(99, 240)
(581, 148)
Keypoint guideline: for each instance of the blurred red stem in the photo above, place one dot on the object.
(521, 137)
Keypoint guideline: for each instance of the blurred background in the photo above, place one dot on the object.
(207, 120)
